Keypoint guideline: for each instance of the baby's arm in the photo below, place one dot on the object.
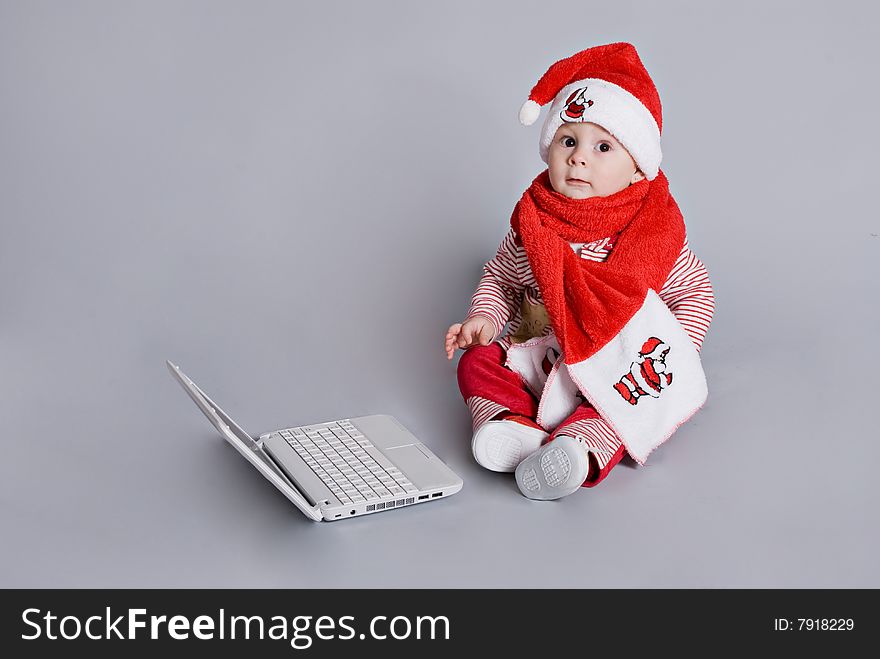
(688, 294)
(496, 299)
(475, 330)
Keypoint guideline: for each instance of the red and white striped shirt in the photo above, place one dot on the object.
(508, 277)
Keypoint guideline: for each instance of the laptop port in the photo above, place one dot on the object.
(437, 494)
(422, 497)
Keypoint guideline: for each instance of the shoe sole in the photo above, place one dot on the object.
(553, 472)
(502, 445)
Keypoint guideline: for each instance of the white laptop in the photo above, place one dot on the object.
(338, 469)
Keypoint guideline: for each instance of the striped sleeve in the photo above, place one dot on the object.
(499, 292)
(688, 294)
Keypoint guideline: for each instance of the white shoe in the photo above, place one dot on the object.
(502, 445)
(555, 471)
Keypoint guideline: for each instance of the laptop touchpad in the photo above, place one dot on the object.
(416, 465)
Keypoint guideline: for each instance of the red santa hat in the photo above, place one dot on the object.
(605, 85)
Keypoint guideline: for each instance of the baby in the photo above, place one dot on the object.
(606, 304)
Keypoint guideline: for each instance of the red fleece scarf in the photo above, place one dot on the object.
(589, 302)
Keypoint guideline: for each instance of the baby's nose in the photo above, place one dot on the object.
(578, 157)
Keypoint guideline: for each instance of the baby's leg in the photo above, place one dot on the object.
(489, 388)
(503, 409)
(604, 448)
(581, 452)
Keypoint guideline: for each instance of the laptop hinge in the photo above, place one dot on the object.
(279, 469)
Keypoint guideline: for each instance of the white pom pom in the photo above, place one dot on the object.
(529, 112)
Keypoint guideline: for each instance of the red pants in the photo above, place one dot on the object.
(488, 387)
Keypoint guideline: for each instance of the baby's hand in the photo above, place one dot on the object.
(476, 330)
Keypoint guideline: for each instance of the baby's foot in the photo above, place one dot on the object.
(555, 471)
(502, 445)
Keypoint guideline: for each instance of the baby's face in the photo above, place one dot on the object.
(585, 161)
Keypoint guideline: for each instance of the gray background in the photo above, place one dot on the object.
(293, 202)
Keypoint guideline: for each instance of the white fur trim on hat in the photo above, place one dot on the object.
(617, 111)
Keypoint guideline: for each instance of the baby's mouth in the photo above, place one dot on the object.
(577, 181)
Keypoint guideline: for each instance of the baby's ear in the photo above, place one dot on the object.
(636, 177)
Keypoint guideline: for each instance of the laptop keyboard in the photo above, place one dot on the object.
(335, 452)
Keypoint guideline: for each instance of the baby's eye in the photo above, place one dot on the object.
(568, 141)
(604, 147)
